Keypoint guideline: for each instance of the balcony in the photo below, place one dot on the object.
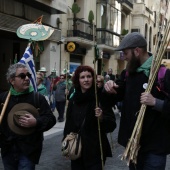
(106, 39)
(149, 11)
(51, 7)
(141, 9)
(80, 31)
(127, 6)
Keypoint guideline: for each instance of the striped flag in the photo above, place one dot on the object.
(27, 59)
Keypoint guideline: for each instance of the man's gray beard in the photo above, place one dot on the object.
(133, 64)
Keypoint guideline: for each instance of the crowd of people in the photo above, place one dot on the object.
(56, 89)
(91, 99)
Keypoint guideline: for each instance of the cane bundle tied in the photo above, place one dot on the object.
(133, 146)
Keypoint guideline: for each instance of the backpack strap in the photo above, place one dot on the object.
(36, 100)
(161, 75)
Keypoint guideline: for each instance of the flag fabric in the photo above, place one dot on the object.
(27, 59)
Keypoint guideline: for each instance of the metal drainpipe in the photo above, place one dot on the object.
(60, 62)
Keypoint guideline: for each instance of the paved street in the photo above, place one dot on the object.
(51, 158)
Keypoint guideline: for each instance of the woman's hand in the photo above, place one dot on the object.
(99, 113)
(66, 92)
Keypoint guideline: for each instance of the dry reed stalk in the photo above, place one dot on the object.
(4, 107)
(98, 120)
(96, 97)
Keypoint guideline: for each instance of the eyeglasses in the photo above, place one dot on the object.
(23, 76)
(61, 78)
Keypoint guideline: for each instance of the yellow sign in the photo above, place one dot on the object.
(71, 46)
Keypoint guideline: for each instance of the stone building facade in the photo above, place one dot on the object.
(97, 22)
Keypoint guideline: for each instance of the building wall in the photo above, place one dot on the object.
(27, 14)
(86, 6)
(65, 56)
(7, 58)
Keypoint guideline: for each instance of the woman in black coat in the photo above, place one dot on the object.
(82, 106)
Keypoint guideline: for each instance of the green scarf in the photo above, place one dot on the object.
(61, 83)
(145, 67)
(15, 93)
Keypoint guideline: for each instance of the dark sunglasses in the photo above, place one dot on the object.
(23, 76)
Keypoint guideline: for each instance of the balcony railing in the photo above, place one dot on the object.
(150, 12)
(127, 2)
(80, 28)
(130, 4)
(105, 36)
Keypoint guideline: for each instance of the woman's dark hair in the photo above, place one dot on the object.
(80, 69)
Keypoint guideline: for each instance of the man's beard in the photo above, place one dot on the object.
(133, 64)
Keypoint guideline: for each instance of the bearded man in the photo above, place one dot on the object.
(155, 137)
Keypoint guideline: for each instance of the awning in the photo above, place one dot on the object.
(11, 23)
(49, 6)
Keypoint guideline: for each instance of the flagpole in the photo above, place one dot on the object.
(30, 44)
(33, 49)
(28, 60)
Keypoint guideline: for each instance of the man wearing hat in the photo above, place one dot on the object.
(26, 117)
(46, 80)
(40, 86)
(53, 80)
(155, 138)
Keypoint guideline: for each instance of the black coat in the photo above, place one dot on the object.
(155, 136)
(82, 106)
(30, 145)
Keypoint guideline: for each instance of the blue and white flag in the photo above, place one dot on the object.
(27, 59)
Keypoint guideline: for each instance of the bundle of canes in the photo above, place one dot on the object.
(133, 146)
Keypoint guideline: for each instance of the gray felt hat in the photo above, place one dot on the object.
(132, 40)
(20, 110)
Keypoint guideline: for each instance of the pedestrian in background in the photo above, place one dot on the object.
(60, 97)
(100, 81)
(26, 117)
(53, 81)
(82, 108)
(154, 143)
(40, 86)
(110, 73)
(46, 80)
(106, 78)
